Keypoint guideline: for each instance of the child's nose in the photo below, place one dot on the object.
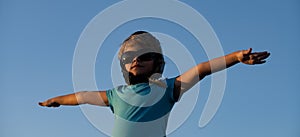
(136, 59)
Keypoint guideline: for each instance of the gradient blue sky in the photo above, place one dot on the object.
(38, 40)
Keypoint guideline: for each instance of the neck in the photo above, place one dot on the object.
(138, 79)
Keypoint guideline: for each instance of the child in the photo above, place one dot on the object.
(142, 107)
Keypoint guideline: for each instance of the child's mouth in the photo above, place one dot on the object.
(136, 66)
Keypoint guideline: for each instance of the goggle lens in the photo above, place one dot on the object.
(128, 57)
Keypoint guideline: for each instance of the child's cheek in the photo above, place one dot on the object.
(127, 66)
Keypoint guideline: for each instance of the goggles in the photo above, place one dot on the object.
(127, 57)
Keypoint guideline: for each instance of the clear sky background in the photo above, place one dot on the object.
(38, 39)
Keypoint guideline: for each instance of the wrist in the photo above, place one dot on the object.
(238, 55)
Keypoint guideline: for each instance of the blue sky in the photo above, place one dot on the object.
(38, 40)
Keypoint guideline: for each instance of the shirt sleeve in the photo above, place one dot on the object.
(170, 88)
(110, 98)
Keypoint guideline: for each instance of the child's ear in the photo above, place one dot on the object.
(160, 66)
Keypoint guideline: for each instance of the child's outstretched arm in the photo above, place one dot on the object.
(195, 74)
(84, 97)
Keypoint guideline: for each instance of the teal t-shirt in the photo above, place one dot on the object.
(141, 110)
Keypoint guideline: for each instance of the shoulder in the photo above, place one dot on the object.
(170, 86)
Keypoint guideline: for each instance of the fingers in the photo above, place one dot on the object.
(254, 58)
(258, 62)
(53, 104)
(247, 52)
(42, 104)
(263, 56)
(259, 57)
(49, 104)
(260, 53)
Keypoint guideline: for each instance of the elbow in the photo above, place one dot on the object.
(202, 76)
(204, 70)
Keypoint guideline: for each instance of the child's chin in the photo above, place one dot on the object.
(136, 73)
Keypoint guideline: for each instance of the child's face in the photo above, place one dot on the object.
(139, 65)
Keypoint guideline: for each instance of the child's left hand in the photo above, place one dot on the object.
(246, 57)
(49, 103)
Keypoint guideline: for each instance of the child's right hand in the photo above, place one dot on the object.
(252, 58)
(49, 103)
